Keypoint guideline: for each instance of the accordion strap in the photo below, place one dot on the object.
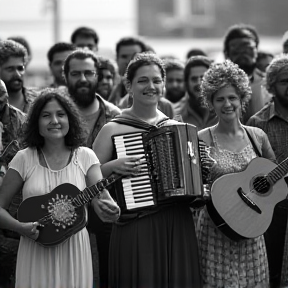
(134, 122)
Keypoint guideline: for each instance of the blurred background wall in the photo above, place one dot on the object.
(171, 27)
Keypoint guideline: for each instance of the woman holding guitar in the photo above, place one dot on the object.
(53, 156)
(224, 262)
(156, 246)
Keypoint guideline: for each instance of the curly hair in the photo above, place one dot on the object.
(278, 64)
(11, 48)
(143, 59)
(75, 136)
(221, 75)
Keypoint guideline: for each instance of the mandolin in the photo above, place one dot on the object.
(242, 204)
(60, 213)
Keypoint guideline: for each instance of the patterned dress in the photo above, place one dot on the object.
(225, 263)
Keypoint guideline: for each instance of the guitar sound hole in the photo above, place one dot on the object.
(261, 184)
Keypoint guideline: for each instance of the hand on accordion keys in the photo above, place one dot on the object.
(128, 165)
(207, 162)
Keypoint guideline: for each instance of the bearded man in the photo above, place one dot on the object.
(13, 61)
(241, 47)
(81, 72)
(273, 120)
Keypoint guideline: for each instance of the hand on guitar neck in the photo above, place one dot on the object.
(107, 209)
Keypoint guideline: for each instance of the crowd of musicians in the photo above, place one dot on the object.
(87, 129)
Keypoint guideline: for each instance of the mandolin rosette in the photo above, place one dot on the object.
(62, 211)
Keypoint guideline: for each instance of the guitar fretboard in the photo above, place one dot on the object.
(90, 192)
(279, 172)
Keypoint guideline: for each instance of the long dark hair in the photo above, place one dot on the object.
(32, 138)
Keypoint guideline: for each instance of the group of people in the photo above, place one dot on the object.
(64, 134)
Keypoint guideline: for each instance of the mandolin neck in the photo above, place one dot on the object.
(95, 190)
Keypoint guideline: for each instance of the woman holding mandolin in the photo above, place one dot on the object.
(53, 156)
(224, 262)
(154, 246)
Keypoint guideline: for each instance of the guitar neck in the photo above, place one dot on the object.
(279, 172)
(90, 192)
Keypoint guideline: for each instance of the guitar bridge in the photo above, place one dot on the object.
(248, 201)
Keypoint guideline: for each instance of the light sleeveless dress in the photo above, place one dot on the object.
(68, 264)
(225, 263)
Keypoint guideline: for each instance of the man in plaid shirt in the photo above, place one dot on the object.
(273, 119)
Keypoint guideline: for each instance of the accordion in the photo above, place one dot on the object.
(171, 170)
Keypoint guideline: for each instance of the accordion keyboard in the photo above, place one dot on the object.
(137, 189)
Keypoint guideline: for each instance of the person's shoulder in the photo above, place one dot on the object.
(165, 101)
(27, 152)
(255, 130)
(205, 135)
(109, 105)
(19, 114)
(82, 150)
(260, 116)
(31, 92)
(204, 131)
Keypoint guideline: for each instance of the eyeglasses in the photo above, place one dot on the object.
(88, 74)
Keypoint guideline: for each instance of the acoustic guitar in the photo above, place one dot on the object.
(60, 213)
(242, 204)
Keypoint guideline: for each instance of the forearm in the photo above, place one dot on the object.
(107, 169)
(8, 222)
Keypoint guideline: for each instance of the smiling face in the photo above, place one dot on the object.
(227, 104)
(53, 121)
(147, 85)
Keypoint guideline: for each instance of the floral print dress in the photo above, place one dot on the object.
(226, 263)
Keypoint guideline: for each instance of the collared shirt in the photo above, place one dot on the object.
(29, 96)
(190, 115)
(259, 96)
(107, 112)
(276, 127)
